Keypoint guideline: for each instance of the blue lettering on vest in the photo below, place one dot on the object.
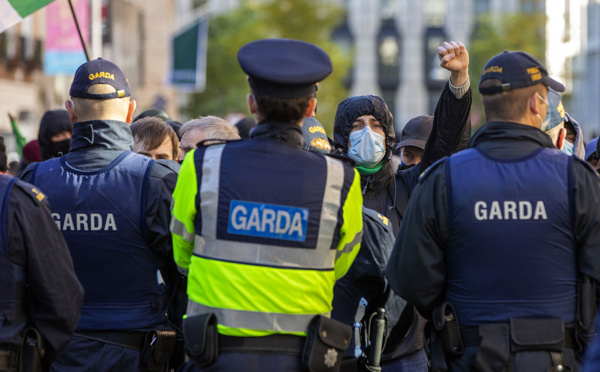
(267, 220)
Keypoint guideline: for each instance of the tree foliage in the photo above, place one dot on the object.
(495, 33)
(307, 20)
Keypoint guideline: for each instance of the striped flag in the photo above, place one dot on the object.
(13, 11)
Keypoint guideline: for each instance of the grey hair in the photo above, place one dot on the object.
(213, 127)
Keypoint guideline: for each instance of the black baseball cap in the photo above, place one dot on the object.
(284, 68)
(99, 71)
(516, 70)
(416, 132)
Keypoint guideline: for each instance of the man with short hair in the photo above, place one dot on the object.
(154, 138)
(112, 206)
(414, 137)
(496, 237)
(205, 128)
(264, 228)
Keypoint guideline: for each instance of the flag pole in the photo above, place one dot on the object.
(85, 49)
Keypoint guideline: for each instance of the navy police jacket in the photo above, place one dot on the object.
(508, 225)
(39, 287)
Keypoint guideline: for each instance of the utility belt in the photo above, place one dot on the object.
(522, 344)
(156, 346)
(321, 350)
(29, 358)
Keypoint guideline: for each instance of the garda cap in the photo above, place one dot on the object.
(284, 68)
(516, 70)
(99, 71)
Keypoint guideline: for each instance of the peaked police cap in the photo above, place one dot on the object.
(284, 68)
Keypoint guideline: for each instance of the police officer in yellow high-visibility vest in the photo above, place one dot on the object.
(263, 229)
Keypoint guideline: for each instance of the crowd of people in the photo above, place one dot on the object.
(143, 244)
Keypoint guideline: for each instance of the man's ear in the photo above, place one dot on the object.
(312, 106)
(70, 106)
(533, 103)
(251, 101)
(130, 110)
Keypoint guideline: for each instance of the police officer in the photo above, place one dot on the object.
(264, 228)
(113, 208)
(39, 287)
(496, 237)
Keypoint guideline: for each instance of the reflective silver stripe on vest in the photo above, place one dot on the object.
(276, 322)
(177, 227)
(209, 189)
(261, 254)
(349, 246)
(331, 202)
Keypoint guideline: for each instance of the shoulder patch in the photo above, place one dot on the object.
(377, 217)
(433, 166)
(33, 192)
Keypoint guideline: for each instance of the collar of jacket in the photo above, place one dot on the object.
(503, 130)
(106, 134)
(290, 134)
(377, 183)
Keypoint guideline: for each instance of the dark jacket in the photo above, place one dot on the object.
(388, 191)
(34, 242)
(94, 145)
(417, 269)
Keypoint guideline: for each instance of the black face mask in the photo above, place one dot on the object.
(59, 148)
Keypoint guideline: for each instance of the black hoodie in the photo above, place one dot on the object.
(53, 121)
(451, 132)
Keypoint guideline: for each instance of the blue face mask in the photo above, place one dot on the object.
(568, 148)
(366, 147)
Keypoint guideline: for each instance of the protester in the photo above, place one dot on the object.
(40, 294)
(268, 287)
(54, 136)
(155, 139)
(468, 242)
(112, 206)
(204, 129)
(364, 130)
(414, 137)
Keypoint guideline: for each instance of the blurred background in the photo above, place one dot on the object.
(180, 55)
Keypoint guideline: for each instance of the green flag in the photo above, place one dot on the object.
(13, 11)
(21, 141)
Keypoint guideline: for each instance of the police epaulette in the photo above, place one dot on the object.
(378, 217)
(33, 192)
(431, 167)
